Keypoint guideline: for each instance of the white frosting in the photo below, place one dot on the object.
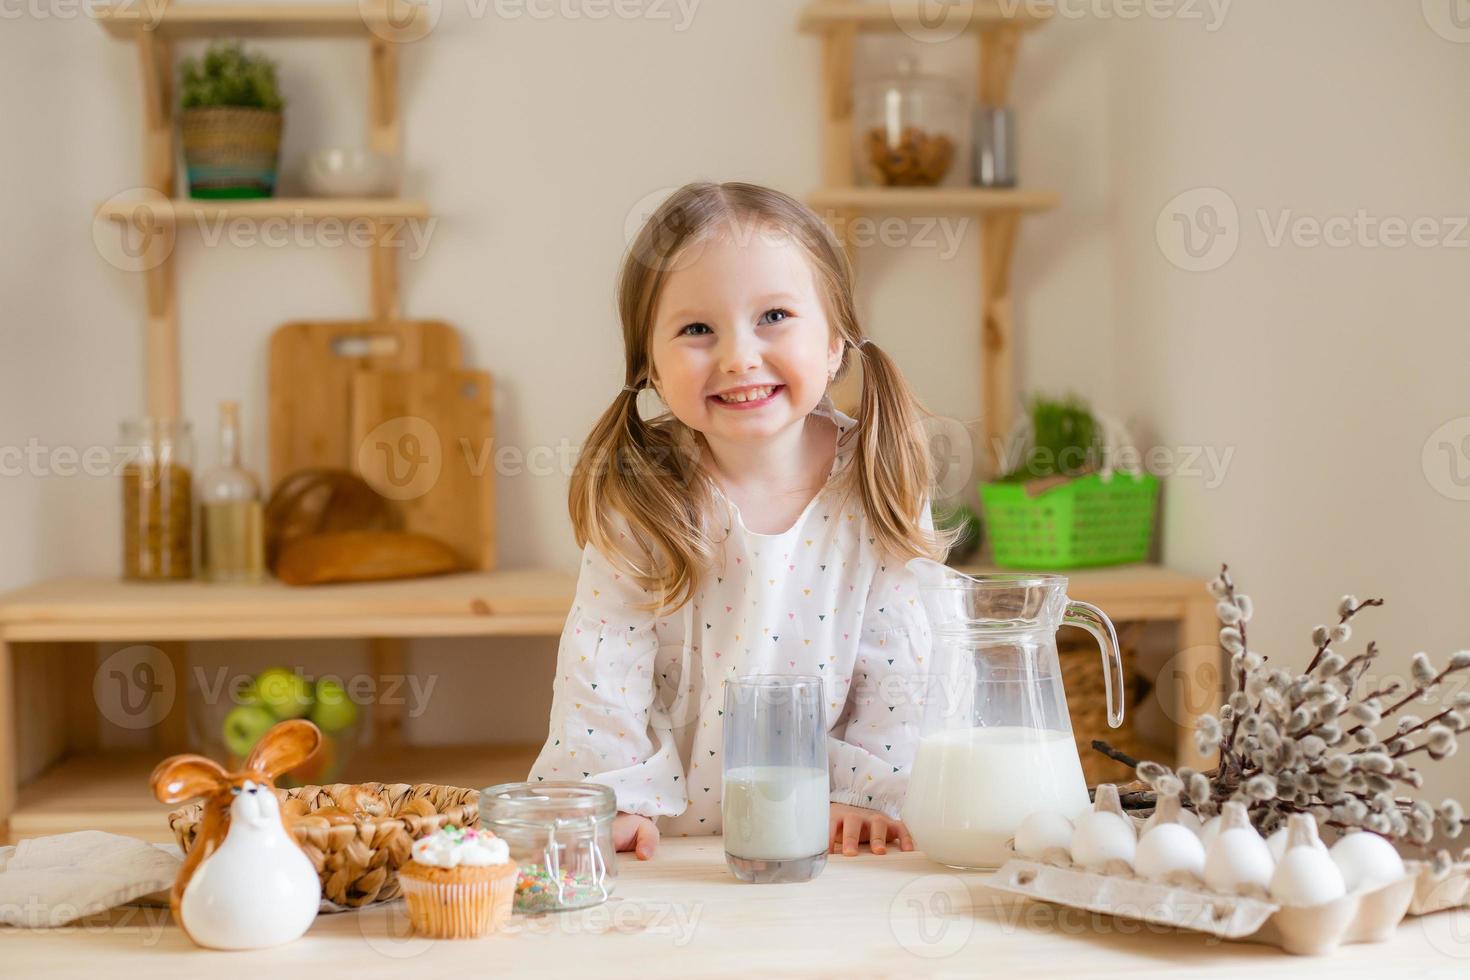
(451, 847)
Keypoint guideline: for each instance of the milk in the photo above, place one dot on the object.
(775, 813)
(971, 788)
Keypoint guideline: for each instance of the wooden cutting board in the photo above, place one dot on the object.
(423, 441)
(312, 364)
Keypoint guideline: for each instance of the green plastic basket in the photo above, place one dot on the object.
(1084, 522)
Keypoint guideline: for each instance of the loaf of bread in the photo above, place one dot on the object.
(363, 556)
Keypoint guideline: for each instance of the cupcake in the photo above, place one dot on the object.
(458, 883)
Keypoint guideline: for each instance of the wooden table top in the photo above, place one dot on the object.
(682, 914)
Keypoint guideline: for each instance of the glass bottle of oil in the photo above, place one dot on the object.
(232, 537)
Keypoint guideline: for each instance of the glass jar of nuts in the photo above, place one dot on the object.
(158, 499)
(909, 129)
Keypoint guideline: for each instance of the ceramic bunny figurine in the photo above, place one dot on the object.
(246, 883)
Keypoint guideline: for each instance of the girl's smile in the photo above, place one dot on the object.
(747, 397)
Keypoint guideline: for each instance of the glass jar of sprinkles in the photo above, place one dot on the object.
(560, 833)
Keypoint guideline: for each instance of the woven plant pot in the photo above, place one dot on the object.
(231, 152)
(357, 835)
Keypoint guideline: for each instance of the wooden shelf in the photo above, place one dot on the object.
(929, 200)
(292, 208)
(498, 603)
(1131, 592)
(109, 790)
(195, 19)
(826, 16)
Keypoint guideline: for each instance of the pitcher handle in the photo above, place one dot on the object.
(1096, 622)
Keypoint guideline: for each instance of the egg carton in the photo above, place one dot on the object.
(1366, 916)
(1437, 894)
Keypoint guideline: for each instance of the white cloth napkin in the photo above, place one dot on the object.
(50, 881)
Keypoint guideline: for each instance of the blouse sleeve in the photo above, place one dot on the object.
(871, 750)
(606, 723)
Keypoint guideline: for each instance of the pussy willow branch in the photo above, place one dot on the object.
(1347, 615)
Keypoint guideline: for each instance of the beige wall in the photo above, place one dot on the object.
(1323, 370)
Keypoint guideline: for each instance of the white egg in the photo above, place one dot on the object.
(1307, 875)
(1236, 859)
(1365, 860)
(1277, 843)
(1102, 836)
(1167, 848)
(1043, 831)
(1209, 831)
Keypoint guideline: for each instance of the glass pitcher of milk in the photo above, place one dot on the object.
(775, 804)
(996, 740)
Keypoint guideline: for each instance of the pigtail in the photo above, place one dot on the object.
(639, 473)
(893, 469)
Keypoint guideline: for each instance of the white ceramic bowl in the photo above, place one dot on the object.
(343, 172)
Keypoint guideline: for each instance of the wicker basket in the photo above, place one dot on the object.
(231, 152)
(358, 856)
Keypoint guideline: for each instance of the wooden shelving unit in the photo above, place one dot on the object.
(341, 19)
(998, 29)
(915, 16)
(153, 29)
(57, 622)
(933, 200)
(183, 210)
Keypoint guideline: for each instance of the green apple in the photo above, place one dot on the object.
(285, 692)
(243, 727)
(334, 710)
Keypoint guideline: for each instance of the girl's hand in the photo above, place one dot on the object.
(636, 833)
(848, 826)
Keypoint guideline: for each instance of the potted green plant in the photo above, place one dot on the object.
(231, 120)
(1061, 504)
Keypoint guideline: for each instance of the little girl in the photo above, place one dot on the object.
(746, 528)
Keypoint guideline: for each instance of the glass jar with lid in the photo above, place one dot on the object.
(158, 498)
(909, 128)
(560, 834)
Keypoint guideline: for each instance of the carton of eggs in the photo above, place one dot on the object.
(1291, 892)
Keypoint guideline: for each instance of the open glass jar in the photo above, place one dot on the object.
(909, 128)
(560, 834)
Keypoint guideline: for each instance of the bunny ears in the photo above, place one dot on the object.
(285, 746)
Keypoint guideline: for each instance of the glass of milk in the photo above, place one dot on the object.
(775, 803)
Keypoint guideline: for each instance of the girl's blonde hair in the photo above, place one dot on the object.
(648, 471)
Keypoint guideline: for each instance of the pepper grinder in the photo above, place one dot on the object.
(995, 147)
